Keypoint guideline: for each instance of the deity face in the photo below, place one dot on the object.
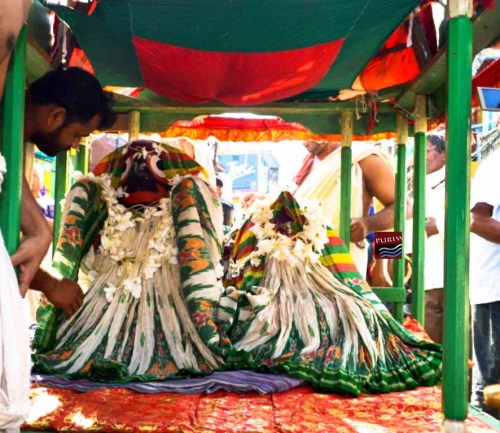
(143, 178)
(145, 169)
(139, 182)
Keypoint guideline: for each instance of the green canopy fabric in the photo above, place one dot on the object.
(241, 52)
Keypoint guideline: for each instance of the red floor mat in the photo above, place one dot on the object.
(298, 410)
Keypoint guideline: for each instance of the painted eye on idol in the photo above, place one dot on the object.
(154, 163)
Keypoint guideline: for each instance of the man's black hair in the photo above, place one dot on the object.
(78, 92)
(437, 141)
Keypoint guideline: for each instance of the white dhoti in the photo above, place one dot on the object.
(15, 359)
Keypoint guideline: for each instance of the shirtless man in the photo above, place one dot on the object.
(372, 177)
(61, 107)
(55, 122)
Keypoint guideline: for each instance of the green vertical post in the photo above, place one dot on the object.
(12, 141)
(458, 151)
(420, 171)
(61, 187)
(345, 179)
(400, 207)
(82, 159)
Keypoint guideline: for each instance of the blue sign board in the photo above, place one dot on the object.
(243, 170)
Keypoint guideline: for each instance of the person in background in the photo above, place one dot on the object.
(227, 207)
(434, 242)
(484, 281)
(44, 200)
(219, 185)
(62, 107)
(372, 177)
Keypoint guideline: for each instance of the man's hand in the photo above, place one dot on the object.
(359, 230)
(66, 295)
(249, 199)
(431, 227)
(62, 292)
(483, 224)
(28, 257)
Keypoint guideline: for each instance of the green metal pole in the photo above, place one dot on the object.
(12, 144)
(82, 159)
(400, 207)
(345, 179)
(61, 187)
(420, 170)
(458, 151)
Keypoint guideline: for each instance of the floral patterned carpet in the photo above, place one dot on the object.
(298, 410)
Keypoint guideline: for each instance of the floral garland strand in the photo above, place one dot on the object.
(133, 269)
(303, 247)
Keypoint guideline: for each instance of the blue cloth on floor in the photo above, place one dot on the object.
(233, 381)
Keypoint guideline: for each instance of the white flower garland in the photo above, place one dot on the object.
(304, 247)
(133, 269)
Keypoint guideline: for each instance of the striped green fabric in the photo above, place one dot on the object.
(169, 330)
(317, 323)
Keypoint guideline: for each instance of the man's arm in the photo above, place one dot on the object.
(379, 182)
(482, 223)
(35, 242)
(62, 292)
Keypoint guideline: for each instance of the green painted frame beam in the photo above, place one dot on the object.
(126, 104)
(324, 118)
(391, 294)
(319, 117)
